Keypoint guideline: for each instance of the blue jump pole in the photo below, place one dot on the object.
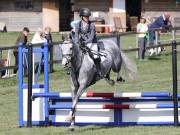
(47, 95)
(46, 80)
(20, 78)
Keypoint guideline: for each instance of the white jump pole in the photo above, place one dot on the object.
(33, 71)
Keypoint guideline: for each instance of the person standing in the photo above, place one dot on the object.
(23, 38)
(48, 37)
(142, 30)
(37, 39)
(3, 63)
(160, 22)
(47, 34)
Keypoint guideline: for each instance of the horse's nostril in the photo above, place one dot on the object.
(65, 65)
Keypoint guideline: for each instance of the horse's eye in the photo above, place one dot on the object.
(71, 48)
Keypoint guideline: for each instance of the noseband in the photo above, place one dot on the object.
(67, 56)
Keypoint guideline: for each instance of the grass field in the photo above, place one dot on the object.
(154, 74)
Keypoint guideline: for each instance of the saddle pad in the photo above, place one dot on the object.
(103, 58)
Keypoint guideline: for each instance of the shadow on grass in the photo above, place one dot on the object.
(168, 54)
(91, 128)
(154, 58)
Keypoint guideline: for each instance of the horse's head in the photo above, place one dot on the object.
(66, 52)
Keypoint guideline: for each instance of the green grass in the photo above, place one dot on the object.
(154, 74)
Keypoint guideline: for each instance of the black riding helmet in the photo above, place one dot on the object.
(85, 12)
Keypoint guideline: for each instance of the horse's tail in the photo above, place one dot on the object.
(129, 66)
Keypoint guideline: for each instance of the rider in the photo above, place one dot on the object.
(85, 35)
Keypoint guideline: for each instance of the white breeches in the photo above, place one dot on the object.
(94, 47)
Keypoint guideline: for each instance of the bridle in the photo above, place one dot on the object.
(67, 56)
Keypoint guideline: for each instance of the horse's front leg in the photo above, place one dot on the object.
(74, 88)
(81, 89)
(71, 117)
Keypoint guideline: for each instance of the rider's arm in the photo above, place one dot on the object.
(91, 34)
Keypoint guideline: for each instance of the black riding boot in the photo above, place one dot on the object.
(98, 67)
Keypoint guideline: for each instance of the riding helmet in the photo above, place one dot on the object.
(85, 12)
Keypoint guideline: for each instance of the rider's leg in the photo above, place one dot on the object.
(97, 59)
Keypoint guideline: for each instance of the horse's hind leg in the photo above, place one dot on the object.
(119, 78)
(108, 79)
(117, 69)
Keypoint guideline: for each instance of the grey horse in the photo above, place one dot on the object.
(83, 70)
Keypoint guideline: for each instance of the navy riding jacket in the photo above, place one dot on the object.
(86, 34)
(159, 22)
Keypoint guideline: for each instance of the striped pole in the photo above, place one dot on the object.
(138, 106)
(106, 95)
(112, 106)
(129, 94)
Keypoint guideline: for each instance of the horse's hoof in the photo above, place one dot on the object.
(71, 128)
(111, 82)
(120, 79)
(69, 119)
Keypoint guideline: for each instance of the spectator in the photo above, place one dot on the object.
(48, 37)
(38, 37)
(47, 34)
(3, 63)
(142, 30)
(23, 38)
(161, 22)
(3, 27)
